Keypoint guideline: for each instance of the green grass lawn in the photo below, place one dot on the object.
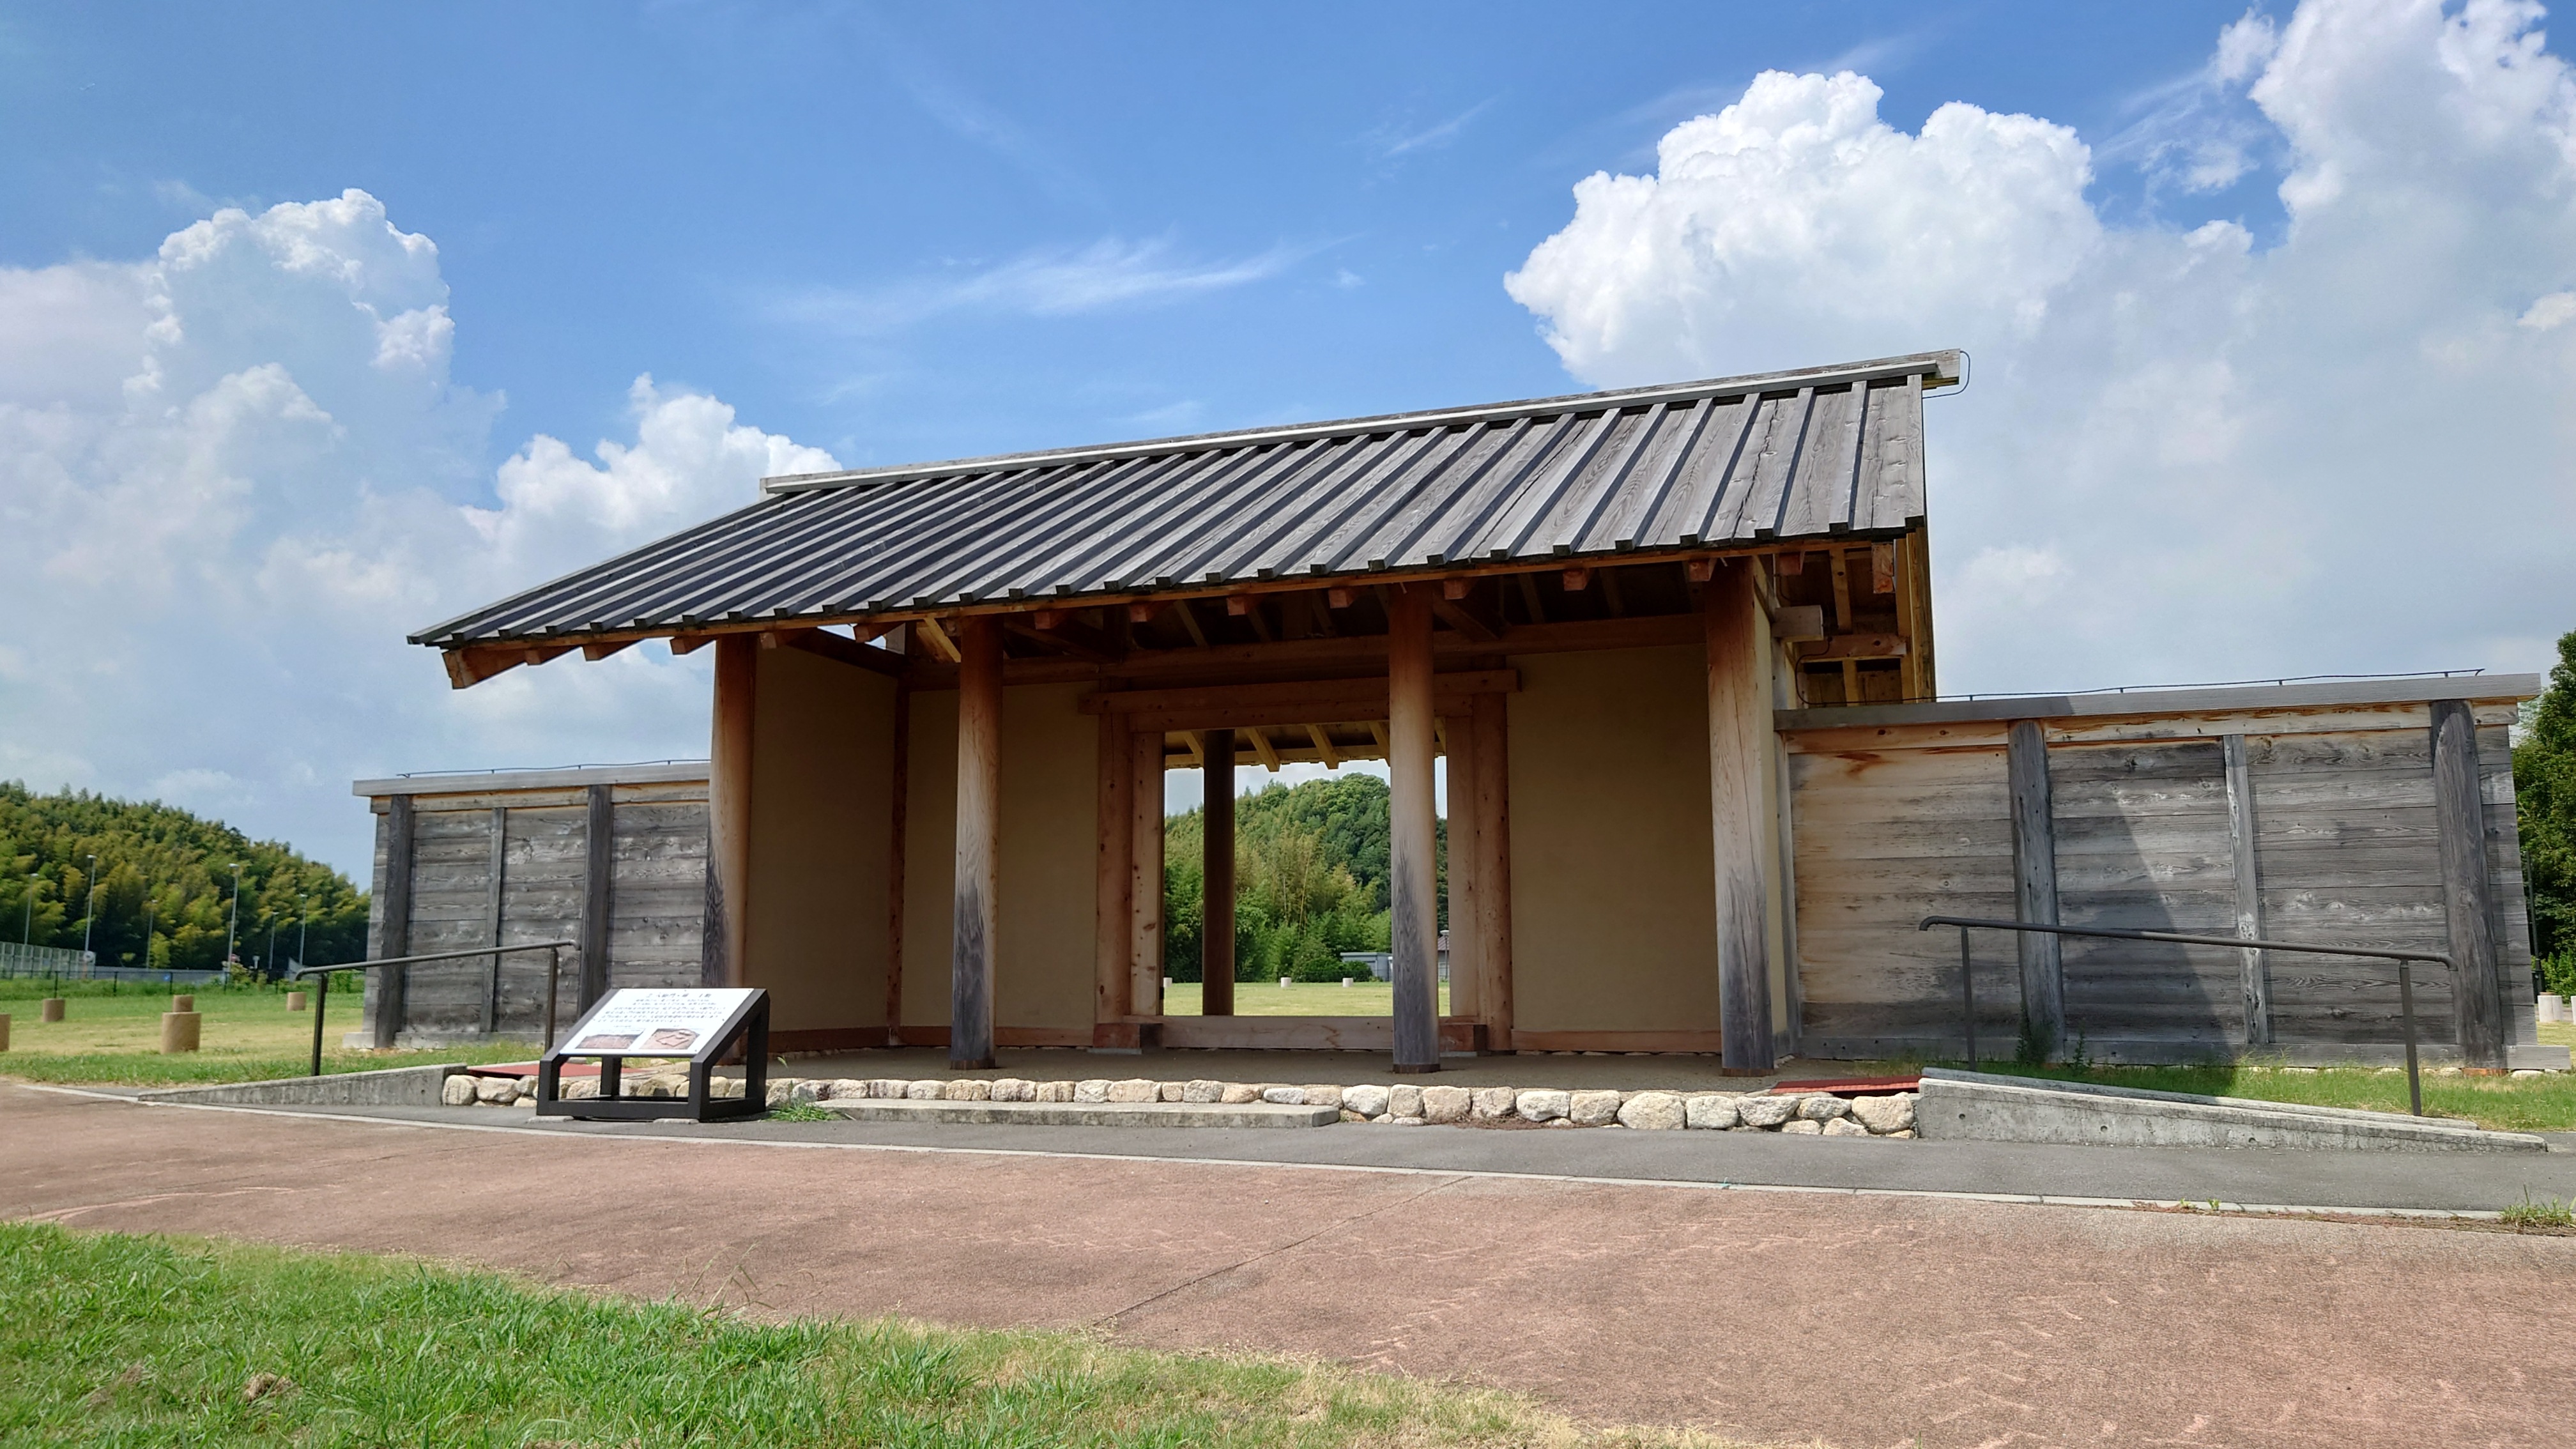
(111, 1033)
(1363, 997)
(108, 1339)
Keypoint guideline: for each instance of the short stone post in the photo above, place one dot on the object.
(295, 1001)
(4, 1031)
(179, 1026)
(50, 1009)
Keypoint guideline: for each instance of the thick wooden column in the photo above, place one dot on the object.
(598, 889)
(1145, 894)
(2034, 835)
(729, 812)
(1739, 742)
(1113, 848)
(1491, 787)
(2468, 892)
(1216, 911)
(899, 792)
(395, 939)
(1412, 870)
(495, 888)
(979, 829)
(1466, 876)
(2241, 831)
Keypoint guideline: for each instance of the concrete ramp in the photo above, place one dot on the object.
(390, 1087)
(1977, 1106)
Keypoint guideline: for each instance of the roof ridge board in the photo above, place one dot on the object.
(1867, 456)
(1369, 512)
(1407, 456)
(1585, 504)
(1940, 363)
(1900, 467)
(1208, 555)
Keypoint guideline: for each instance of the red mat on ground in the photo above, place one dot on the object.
(1852, 1086)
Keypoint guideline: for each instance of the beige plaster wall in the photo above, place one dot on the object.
(1050, 765)
(821, 840)
(1614, 915)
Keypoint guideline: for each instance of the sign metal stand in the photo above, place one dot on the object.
(702, 1027)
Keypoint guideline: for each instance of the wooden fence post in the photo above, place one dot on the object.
(2034, 834)
(979, 829)
(2468, 894)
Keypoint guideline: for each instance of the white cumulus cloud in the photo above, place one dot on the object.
(234, 475)
(2336, 453)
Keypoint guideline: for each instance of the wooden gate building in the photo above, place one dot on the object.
(1676, 647)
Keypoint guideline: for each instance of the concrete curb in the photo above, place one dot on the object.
(1975, 1106)
(1084, 1114)
(390, 1087)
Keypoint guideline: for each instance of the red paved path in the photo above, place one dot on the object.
(1776, 1317)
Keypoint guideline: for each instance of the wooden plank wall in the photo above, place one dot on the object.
(1893, 824)
(655, 906)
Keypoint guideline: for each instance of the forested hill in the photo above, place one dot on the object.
(1310, 879)
(164, 864)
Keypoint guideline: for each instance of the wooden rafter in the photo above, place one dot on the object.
(1324, 750)
(1261, 747)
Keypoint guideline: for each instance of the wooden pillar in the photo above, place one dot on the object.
(979, 831)
(1113, 909)
(598, 887)
(1739, 741)
(728, 917)
(395, 939)
(1145, 891)
(2241, 830)
(2034, 835)
(1412, 871)
(495, 883)
(2468, 892)
(1466, 875)
(897, 804)
(1216, 910)
(1490, 723)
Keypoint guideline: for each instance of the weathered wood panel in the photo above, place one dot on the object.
(2143, 845)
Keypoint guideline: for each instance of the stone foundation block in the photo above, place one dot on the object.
(1366, 1101)
(1491, 1104)
(967, 1089)
(1404, 1101)
(494, 1091)
(1765, 1111)
(928, 1089)
(1884, 1115)
(1055, 1091)
(1135, 1089)
(457, 1091)
(1823, 1107)
(1803, 1127)
(1845, 1127)
(1542, 1104)
(1203, 1090)
(1235, 1094)
(1446, 1104)
(1713, 1111)
(1592, 1109)
(1091, 1089)
(1652, 1112)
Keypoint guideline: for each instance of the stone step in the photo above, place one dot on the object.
(1083, 1114)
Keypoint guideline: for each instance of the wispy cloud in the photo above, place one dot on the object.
(1389, 142)
(1109, 273)
(2198, 131)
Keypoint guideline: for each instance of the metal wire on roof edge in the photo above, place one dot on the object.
(2206, 684)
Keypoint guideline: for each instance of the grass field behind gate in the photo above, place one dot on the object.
(111, 1033)
(110, 1339)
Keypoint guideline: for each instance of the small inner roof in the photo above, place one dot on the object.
(1720, 463)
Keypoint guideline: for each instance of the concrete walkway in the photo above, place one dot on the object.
(1772, 1316)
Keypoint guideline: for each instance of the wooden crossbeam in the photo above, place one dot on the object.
(690, 643)
(1854, 647)
(1460, 609)
(1324, 750)
(828, 645)
(1882, 568)
(941, 642)
(1057, 630)
(596, 652)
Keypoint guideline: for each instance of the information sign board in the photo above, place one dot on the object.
(678, 1023)
(700, 1025)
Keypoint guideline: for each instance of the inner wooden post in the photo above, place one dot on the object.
(979, 828)
(1216, 951)
(1739, 728)
(1414, 898)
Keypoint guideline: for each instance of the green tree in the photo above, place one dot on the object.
(163, 871)
(1310, 880)
(2544, 788)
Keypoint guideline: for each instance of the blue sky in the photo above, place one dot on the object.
(322, 323)
(1230, 216)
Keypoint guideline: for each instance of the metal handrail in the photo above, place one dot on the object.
(2405, 977)
(322, 999)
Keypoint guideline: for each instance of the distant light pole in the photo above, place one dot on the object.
(89, 906)
(146, 962)
(232, 925)
(303, 925)
(27, 932)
